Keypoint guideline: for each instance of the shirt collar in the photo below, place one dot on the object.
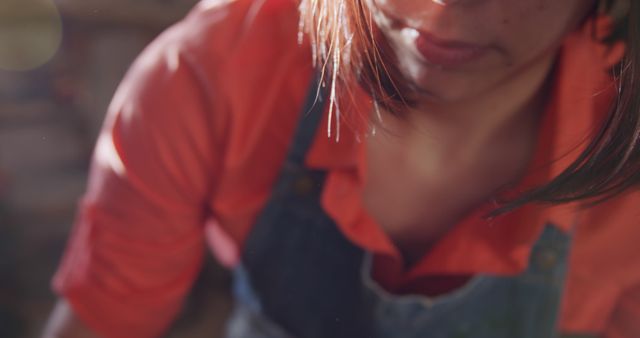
(581, 94)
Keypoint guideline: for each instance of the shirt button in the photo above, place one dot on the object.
(304, 185)
(547, 258)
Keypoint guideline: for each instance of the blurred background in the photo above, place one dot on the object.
(60, 63)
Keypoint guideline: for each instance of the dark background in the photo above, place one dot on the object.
(50, 113)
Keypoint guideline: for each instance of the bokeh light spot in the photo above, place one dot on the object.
(30, 33)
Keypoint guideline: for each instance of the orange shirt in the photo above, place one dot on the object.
(195, 138)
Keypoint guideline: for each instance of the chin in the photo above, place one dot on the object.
(433, 84)
(433, 89)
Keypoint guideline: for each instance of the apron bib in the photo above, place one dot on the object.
(300, 277)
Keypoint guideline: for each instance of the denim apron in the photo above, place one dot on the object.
(300, 277)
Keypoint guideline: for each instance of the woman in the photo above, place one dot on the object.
(449, 192)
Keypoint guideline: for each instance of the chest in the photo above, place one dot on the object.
(416, 193)
(335, 295)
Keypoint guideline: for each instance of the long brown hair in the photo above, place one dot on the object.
(343, 38)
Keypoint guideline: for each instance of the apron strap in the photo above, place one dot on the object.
(309, 120)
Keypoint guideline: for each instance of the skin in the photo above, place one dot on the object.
(521, 36)
(474, 127)
(476, 124)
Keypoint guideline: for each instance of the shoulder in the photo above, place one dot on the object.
(227, 54)
(215, 32)
(245, 59)
(607, 239)
(605, 261)
(230, 70)
(239, 47)
(248, 52)
(224, 26)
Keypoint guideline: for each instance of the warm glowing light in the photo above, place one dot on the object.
(30, 33)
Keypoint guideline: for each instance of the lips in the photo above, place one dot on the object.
(446, 53)
(433, 49)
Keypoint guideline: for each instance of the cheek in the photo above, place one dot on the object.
(535, 27)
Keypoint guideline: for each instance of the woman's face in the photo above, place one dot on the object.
(461, 49)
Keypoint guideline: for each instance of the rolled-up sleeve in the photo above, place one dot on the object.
(137, 242)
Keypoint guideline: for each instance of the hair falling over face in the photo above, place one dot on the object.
(346, 50)
(327, 57)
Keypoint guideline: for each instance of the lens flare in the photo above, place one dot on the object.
(30, 33)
